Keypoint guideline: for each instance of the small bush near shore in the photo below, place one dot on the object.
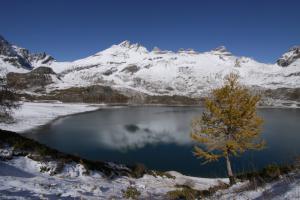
(268, 173)
(131, 193)
(44, 169)
(183, 193)
(187, 193)
(138, 170)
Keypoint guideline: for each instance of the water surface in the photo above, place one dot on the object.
(159, 137)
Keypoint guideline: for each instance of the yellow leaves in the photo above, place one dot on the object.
(208, 156)
(229, 123)
(259, 145)
(199, 138)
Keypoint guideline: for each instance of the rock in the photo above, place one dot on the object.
(125, 44)
(43, 70)
(37, 78)
(43, 58)
(171, 100)
(291, 94)
(109, 71)
(131, 69)
(91, 94)
(288, 58)
(221, 50)
(6, 154)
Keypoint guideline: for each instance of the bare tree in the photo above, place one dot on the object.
(9, 101)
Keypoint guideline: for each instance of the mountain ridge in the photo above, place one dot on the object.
(131, 69)
(128, 44)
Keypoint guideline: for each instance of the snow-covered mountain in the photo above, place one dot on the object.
(17, 59)
(131, 67)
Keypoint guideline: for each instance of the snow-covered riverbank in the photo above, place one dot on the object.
(21, 177)
(285, 188)
(31, 114)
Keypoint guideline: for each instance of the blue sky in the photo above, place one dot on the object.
(73, 29)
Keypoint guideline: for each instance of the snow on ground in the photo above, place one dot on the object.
(21, 177)
(6, 67)
(286, 188)
(31, 114)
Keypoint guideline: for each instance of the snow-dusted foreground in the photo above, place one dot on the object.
(286, 188)
(31, 115)
(21, 177)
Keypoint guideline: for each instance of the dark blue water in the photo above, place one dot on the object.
(159, 137)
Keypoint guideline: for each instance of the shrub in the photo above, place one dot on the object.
(44, 169)
(271, 171)
(131, 193)
(138, 170)
(186, 193)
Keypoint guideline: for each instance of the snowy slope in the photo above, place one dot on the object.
(20, 178)
(185, 72)
(129, 66)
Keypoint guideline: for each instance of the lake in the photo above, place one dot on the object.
(159, 137)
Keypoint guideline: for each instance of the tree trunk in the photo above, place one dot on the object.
(229, 170)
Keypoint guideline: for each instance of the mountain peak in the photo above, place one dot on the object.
(128, 44)
(221, 50)
(295, 48)
(6, 48)
(21, 57)
(289, 57)
(125, 43)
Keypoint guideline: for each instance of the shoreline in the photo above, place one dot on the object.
(34, 114)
